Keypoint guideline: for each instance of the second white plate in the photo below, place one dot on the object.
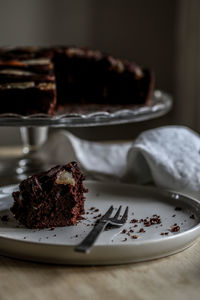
(142, 238)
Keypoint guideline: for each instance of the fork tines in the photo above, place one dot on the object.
(116, 218)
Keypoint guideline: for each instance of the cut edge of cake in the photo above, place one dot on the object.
(51, 199)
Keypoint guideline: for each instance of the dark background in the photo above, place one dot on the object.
(143, 31)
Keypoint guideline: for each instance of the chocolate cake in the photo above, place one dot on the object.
(50, 199)
(34, 80)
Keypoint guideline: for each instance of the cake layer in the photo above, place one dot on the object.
(27, 81)
(19, 71)
(50, 199)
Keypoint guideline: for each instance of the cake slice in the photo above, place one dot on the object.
(50, 199)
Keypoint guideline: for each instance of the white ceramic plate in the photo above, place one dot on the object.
(113, 246)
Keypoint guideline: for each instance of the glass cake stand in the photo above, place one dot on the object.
(34, 128)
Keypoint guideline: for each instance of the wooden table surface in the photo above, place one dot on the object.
(174, 277)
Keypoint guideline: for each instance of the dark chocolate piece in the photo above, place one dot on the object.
(50, 199)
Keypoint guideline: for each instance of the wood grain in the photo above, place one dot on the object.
(174, 277)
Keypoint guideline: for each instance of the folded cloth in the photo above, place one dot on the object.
(98, 159)
(168, 157)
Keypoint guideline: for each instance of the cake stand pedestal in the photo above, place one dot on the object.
(32, 139)
(34, 130)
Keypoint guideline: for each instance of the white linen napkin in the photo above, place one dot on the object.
(167, 156)
(98, 159)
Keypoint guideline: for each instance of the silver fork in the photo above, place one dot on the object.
(86, 245)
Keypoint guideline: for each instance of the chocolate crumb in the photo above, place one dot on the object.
(124, 231)
(135, 225)
(141, 230)
(134, 237)
(96, 210)
(173, 216)
(155, 220)
(133, 221)
(95, 217)
(175, 228)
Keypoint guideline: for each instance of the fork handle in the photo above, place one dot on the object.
(86, 245)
